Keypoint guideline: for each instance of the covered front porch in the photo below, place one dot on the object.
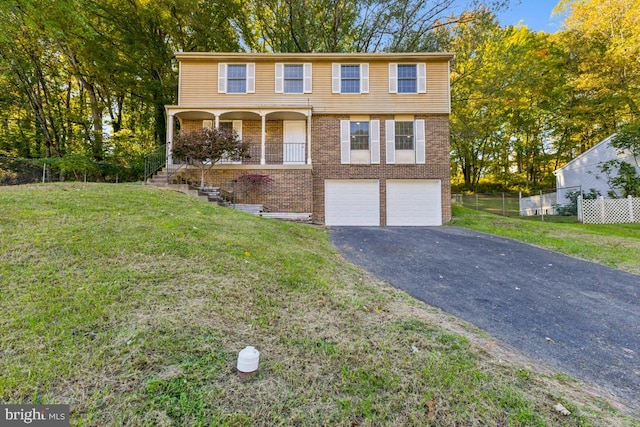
(276, 136)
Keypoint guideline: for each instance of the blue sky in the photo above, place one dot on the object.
(535, 14)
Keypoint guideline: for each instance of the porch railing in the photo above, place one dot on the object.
(293, 152)
(155, 161)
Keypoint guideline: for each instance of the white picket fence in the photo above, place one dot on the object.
(608, 211)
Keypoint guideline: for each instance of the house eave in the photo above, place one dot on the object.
(311, 57)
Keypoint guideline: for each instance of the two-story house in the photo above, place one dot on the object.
(354, 139)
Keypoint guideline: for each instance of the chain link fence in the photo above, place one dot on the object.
(505, 204)
(15, 171)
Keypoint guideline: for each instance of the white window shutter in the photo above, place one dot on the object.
(419, 133)
(222, 78)
(345, 141)
(422, 77)
(364, 78)
(335, 78)
(390, 133)
(279, 78)
(374, 129)
(393, 78)
(251, 78)
(308, 78)
(237, 126)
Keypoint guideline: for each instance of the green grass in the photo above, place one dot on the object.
(615, 245)
(131, 305)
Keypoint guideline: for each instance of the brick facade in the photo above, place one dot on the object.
(326, 161)
(290, 190)
(301, 189)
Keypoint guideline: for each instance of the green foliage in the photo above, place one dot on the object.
(627, 140)
(622, 177)
(571, 208)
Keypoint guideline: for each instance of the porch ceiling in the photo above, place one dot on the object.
(286, 115)
(195, 115)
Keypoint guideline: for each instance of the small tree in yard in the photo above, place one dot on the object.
(250, 182)
(207, 146)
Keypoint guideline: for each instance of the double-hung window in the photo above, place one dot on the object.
(359, 135)
(404, 135)
(293, 78)
(405, 141)
(350, 78)
(236, 78)
(408, 78)
(360, 141)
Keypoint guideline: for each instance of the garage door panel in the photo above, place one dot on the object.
(414, 202)
(352, 202)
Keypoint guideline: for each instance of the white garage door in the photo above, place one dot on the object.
(352, 202)
(414, 202)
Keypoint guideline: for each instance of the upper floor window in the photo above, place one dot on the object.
(407, 78)
(236, 78)
(293, 78)
(404, 135)
(350, 78)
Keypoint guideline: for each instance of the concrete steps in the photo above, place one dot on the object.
(248, 208)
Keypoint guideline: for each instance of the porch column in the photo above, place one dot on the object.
(309, 138)
(217, 121)
(169, 139)
(263, 160)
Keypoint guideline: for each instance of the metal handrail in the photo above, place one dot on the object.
(155, 161)
(172, 171)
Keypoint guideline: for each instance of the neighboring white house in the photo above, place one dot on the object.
(584, 171)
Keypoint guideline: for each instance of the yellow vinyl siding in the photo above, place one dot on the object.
(198, 88)
(198, 82)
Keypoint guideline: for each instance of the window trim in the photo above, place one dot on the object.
(413, 134)
(250, 77)
(336, 78)
(374, 141)
(419, 141)
(353, 135)
(307, 78)
(421, 78)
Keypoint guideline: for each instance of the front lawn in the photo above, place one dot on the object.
(131, 305)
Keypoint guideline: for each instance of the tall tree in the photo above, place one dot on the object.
(603, 41)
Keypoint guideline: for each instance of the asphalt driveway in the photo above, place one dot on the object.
(580, 317)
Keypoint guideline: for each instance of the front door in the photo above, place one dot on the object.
(294, 138)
